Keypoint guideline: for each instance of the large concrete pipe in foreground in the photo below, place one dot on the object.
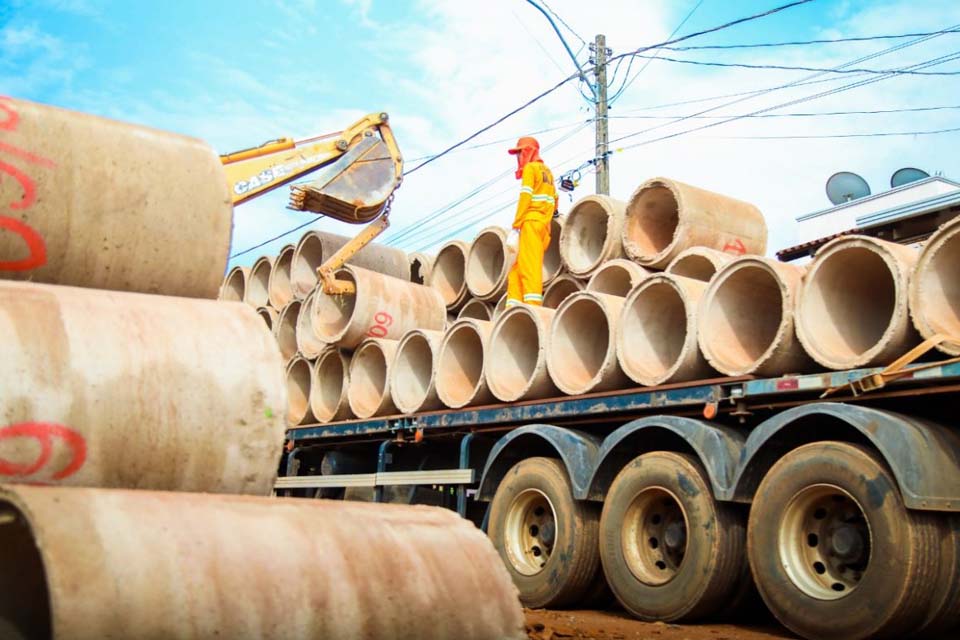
(279, 288)
(591, 234)
(552, 263)
(852, 308)
(617, 277)
(308, 344)
(88, 564)
(328, 389)
(516, 355)
(583, 355)
(234, 284)
(413, 375)
(369, 391)
(381, 307)
(665, 216)
(285, 329)
(460, 366)
(699, 263)
(97, 203)
(657, 337)
(501, 305)
(115, 389)
(448, 274)
(316, 247)
(935, 288)
(746, 323)
(478, 309)
(489, 260)
(299, 377)
(257, 292)
(420, 266)
(269, 316)
(562, 287)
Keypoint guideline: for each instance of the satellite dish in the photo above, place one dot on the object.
(907, 175)
(845, 186)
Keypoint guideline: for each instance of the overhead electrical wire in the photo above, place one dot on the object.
(802, 114)
(563, 22)
(872, 134)
(796, 43)
(780, 67)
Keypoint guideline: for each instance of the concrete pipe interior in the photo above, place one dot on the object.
(234, 286)
(558, 291)
(941, 289)
(612, 279)
(258, 283)
(413, 372)
(652, 220)
(24, 598)
(551, 258)
(280, 290)
(742, 317)
(654, 326)
(447, 275)
(287, 329)
(309, 257)
(329, 376)
(586, 236)
(368, 380)
(476, 309)
(580, 343)
(332, 314)
(298, 390)
(848, 303)
(264, 313)
(485, 263)
(460, 369)
(694, 267)
(417, 269)
(514, 350)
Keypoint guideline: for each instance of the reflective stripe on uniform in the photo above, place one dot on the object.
(512, 303)
(542, 198)
(532, 296)
(526, 189)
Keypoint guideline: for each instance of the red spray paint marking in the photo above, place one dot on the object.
(12, 116)
(382, 320)
(35, 244)
(735, 247)
(43, 433)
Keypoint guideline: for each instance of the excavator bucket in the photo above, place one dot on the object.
(357, 186)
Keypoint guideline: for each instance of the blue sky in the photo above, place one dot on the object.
(238, 73)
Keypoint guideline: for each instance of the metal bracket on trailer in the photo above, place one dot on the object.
(381, 479)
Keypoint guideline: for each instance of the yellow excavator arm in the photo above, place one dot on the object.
(358, 168)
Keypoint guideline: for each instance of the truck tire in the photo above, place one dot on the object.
(668, 549)
(834, 552)
(547, 540)
(945, 606)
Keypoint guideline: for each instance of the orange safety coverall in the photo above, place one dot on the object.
(535, 209)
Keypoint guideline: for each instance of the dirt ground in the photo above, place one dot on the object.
(616, 625)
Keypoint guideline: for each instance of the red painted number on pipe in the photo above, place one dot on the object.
(735, 247)
(44, 433)
(382, 321)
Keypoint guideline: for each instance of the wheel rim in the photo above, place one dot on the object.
(654, 536)
(824, 542)
(530, 531)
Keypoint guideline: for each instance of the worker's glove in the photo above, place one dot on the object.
(513, 239)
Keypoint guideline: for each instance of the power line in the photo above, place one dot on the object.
(874, 134)
(276, 237)
(796, 43)
(805, 114)
(563, 22)
(778, 67)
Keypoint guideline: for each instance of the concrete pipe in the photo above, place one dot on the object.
(516, 367)
(120, 389)
(448, 274)
(460, 367)
(665, 216)
(583, 355)
(478, 309)
(501, 305)
(269, 316)
(328, 389)
(699, 263)
(592, 234)
(413, 377)
(935, 288)
(369, 391)
(617, 277)
(420, 265)
(852, 307)
(657, 336)
(89, 564)
(562, 287)
(552, 263)
(279, 288)
(97, 203)
(308, 344)
(299, 377)
(285, 329)
(489, 260)
(234, 285)
(316, 247)
(382, 307)
(747, 317)
(257, 293)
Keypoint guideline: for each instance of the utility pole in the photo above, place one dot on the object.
(600, 54)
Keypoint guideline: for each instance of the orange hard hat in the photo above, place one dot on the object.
(525, 142)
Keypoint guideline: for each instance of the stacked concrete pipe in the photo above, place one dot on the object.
(97, 203)
(257, 292)
(501, 305)
(279, 288)
(328, 389)
(665, 217)
(552, 262)
(478, 309)
(369, 390)
(489, 260)
(617, 277)
(285, 330)
(657, 336)
(516, 355)
(852, 310)
(381, 307)
(308, 344)
(460, 377)
(139, 391)
(591, 234)
(699, 263)
(269, 316)
(299, 377)
(316, 247)
(746, 323)
(420, 266)
(88, 564)
(935, 288)
(562, 287)
(583, 356)
(234, 285)
(448, 274)
(414, 372)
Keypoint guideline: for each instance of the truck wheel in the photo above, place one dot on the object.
(669, 550)
(833, 550)
(547, 539)
(945, 605)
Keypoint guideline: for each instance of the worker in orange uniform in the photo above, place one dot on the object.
(537, 206)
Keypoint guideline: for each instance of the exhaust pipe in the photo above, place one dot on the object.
(617, 277)
(699, 263)
(316, 247)
(489, 260)
(665, 216)
(591, 234)
(234, 285)
(369, 391)
(308, 344)
(286, 329)
(278, 287)
(516, 367)
(562, 287)
(552, 263)
(478, 309)
(328, 388)
(934, 292)
(257, 293)
(747, 319)
(299, 376)
(412, 378)
(269, 316)
(420, 265)
(460, 380)
(448, 274)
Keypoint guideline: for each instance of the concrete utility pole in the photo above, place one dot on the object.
(600, 54)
